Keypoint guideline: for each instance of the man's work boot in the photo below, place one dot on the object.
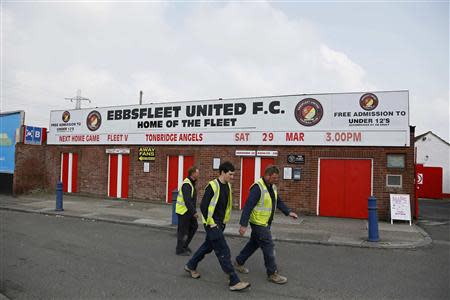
(240, 286)
(183, 253)
(194, 274)
(277, 278)
(241, 268)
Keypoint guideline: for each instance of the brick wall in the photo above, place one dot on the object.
(299, 195)
(30, 172)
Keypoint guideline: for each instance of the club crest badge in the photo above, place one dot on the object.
(93, 120)
(66, 116)
(368, 101)
(308, 112)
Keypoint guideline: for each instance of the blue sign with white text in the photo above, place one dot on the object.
(33, 135)
(9, 124)
(38, 135)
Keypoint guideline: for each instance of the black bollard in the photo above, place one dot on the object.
(174, 205)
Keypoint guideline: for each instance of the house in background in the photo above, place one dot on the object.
(433, 166)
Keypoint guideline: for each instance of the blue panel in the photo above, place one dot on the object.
(33, 135)
(37, 137)
(29, 134)
(8, 125)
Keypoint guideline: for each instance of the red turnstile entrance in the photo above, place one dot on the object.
(177, 169)
(118, 172)
(69, 172)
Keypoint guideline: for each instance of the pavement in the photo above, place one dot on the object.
(306, 229)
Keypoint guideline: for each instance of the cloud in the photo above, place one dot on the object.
(111, 51)
(244, 49)
(431, 114)
(351, 75)
(156, 90)
(39, 92)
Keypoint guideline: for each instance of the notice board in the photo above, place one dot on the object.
(400, 207)
(146, 153)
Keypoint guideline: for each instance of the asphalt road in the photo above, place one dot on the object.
(434, 218)
(48, 257)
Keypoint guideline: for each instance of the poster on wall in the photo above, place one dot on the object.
(342, 119)
(11, 123)
(400, 207)
(295, 159)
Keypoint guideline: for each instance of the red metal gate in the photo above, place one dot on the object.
(344, 187)
(429, 182)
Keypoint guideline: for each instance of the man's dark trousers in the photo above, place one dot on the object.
(215, 240)
(260, 237)
(187, 227)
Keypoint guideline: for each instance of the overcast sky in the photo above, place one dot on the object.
(198, 50)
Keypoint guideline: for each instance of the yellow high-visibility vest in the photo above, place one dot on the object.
(212, 205)
(181, 208)
(260, 214)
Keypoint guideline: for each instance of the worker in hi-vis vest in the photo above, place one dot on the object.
(216, 209)
(186, 211)
(259, 211)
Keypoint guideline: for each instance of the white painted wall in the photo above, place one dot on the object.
(433, 152)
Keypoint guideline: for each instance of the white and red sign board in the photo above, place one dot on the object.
(118, 169)
(245, 153)
(69, 172)
(267, 153)
(118, 151)
(347, 119)
(400, 207)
